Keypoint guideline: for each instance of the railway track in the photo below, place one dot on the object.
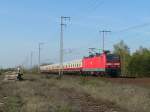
(128, 77)
(144, 82)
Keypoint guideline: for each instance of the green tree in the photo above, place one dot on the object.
(123, 51)
(140, 63)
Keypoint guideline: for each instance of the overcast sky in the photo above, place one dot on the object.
(25, 23)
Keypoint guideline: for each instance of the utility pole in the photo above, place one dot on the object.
(63, 18)
(39, 57)
(31, 59)
(103, 36)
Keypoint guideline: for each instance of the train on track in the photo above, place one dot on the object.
(104, 64)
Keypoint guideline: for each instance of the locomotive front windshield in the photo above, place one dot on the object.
(112, 57)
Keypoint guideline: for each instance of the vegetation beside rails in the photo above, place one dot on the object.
(135, 64)
(130, 97)
(43, 94)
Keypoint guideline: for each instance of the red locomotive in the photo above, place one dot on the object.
(105, 64)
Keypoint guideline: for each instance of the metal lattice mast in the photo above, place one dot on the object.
(62, 45)
(103, 36)
(39, 57)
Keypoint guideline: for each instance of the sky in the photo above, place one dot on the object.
(25, 23)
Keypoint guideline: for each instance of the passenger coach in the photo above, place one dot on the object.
(105, 64)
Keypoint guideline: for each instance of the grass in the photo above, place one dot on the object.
(131, 97)
(47, 94)
(33, 95)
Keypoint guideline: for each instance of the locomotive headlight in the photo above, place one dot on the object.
(109, 64)
(113, 64)
(117, 64)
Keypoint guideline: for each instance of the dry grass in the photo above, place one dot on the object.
(71, 94)
(130, 97)
(134, 98)
(32, 96)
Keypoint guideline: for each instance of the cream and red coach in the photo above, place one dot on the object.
(98, 64)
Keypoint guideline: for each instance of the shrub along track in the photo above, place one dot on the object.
(38, 94)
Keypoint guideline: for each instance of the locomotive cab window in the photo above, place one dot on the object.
(112, 57)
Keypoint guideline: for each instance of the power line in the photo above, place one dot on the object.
(120, 31)
(97, 4)
(92, 7)
(94, 4)
(132, 28)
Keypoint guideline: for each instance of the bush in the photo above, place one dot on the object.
(139, 64)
